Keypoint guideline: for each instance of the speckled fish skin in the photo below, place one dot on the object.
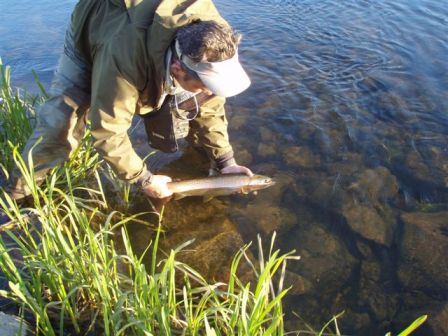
(221, 185)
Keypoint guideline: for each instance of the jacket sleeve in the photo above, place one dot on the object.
(114, 102)
(210, 130)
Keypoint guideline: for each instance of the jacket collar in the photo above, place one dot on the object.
(171, 15)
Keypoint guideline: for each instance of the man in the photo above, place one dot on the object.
(129, 57)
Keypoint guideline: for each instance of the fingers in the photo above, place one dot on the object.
(247, 171)
(237, 169)
(158, 187)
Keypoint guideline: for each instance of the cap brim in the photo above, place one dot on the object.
(225, 79)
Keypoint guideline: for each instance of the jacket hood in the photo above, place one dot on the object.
(169, 17)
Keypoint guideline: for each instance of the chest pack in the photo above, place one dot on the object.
(171, 122)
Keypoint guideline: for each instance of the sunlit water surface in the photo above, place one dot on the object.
(348, 112)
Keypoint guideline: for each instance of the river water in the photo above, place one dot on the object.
(348, 112)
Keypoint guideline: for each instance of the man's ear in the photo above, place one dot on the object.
(176, 68)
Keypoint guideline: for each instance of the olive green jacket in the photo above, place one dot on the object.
(125, 43)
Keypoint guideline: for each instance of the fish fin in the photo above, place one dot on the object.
(207, 199)
(245, 191)
(213, 172)
(178, 196)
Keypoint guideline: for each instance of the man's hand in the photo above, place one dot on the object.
(236, 169)
(158, 187)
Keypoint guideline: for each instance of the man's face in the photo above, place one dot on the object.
(181, 77)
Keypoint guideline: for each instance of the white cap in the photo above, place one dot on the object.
(225, 78)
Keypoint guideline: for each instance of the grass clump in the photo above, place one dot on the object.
(71, 277)
(69, 263)
(17, 115)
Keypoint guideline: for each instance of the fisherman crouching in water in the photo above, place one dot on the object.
(172, 62)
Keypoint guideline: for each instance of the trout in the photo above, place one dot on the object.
(220, 185)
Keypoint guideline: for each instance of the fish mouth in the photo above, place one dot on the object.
(265, 183)
(261, 181)
(269, 181)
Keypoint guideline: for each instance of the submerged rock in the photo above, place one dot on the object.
(375, 185)
(327, 192)
(439, 321)
(267, 211)
(275, 193)
(371, 223)
(367, 213)
(298, 285)
(365, 250)
(325, 261)
(429, 164)
(381, 304)
(416, 305)
(301, 157)
(266, 134)
(359, 321)
(242, 155)
(265, 150)
(348, 164)
(212, 257)
(238, 121)
(268, 219)
(423, 252)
